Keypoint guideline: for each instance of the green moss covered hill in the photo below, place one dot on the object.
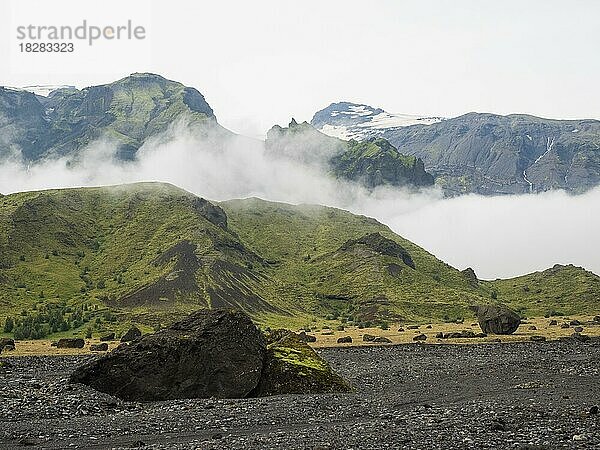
(372, 162)
(90, 260)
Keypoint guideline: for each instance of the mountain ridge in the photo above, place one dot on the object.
(100, 258)
(493, 154)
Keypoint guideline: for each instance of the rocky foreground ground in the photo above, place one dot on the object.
(495, 396)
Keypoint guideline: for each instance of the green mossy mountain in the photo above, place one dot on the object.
(90, 260)
(125, 112)
(373, 162)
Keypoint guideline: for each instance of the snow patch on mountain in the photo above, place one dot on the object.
(43, 90)
(347, 120)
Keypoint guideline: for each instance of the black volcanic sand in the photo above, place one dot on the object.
(488, 396)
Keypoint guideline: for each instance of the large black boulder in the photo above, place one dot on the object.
(211, 353)
(497, 319)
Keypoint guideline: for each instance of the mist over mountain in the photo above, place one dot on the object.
(482, 153)
(149, 131)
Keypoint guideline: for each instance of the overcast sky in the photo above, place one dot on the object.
(261, 62)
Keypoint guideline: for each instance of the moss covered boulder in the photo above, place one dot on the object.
(293, 367)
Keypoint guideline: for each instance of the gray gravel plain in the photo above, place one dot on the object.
(488, 396)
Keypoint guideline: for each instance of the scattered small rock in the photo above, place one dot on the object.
(412, 327)
(307, 337)
(420, 337)
(103, 347)
(538, 338)
(344, 340)
(594, 410)
(107, 337)
(578, 329)
(382, 340)
(368, 338)
(532, 328)
(581, 337)
(565, 325)
(553, 322)
(575, 322)
(70, 343)
(132, 334)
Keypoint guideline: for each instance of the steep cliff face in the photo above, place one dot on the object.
(491, 154)
(23, 128)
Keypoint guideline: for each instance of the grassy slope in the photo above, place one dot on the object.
(304, 241)
(281, 263)
(556, 291)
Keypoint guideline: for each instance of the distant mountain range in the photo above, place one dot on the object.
(72, 259)
(136, 108)
(474, 153)
(483, 153)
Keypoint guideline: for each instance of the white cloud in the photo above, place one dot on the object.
(497, 236)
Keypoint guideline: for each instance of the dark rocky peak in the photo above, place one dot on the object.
(382, 245)
(213, 213)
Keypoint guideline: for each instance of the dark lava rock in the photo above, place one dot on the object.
(597, 319)
(400, 330)
(565, 325)
(382, 340)
(439, 335)
(537, 338)
(132, 334)
(420, 337)
(5, 342)
(498, 425)
(470, 276)
(581, 337)
(54, 344)
(461, 335)
(428, 327)
(103, 347)
(211, 353)
(575, 322)
(369, 338)
(594, 409)
(382, 245)
(497, 319)
(412, 327)
(532, 328)
(70, 343)
(344, 340)
(578, 329)
(293, 367)
(553, 322)
(307, 337)
(108, 337)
